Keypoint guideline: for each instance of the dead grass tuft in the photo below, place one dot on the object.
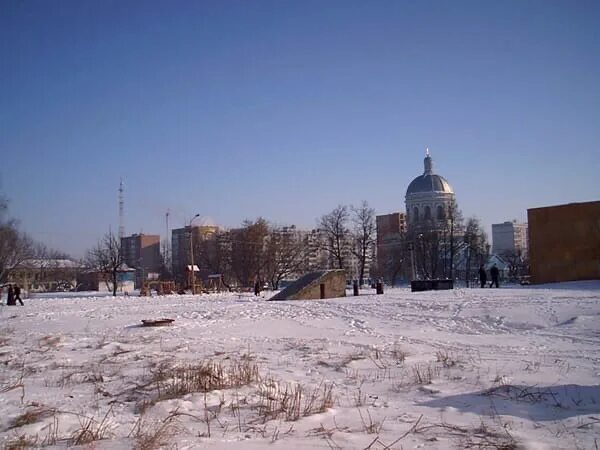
(425, 373)
(32, 415)
(292, 401)
(21, 442)
(447, 359)
(174, 382)
(91, 430)
(156, 434)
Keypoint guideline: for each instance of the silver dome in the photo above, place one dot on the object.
(429, 182)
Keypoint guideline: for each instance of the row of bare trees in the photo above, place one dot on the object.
(257, 251)
(349, 232)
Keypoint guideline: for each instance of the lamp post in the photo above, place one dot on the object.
(192, 276)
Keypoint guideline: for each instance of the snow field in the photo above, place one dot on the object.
(469, 368)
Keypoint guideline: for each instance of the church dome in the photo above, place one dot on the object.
(429, 182)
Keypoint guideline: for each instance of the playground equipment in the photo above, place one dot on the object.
(161, 287)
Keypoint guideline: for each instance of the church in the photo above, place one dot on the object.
(429, 198)
(430, 207)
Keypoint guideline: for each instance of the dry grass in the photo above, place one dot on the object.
(47, 343)
(154, 435)
(21, 442)
(32, 415)
(425, 373)
(398, 354)
(370, 426)
(174, 382)
(292, 401)
(91, 430)
(447, 359)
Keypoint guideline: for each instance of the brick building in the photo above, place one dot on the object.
(391, 232)
(564, 242)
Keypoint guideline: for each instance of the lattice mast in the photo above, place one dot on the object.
(121, 211)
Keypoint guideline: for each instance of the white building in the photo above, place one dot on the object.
(509, 237)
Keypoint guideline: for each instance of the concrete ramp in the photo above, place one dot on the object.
(315, 285)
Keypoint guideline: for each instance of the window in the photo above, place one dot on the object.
(440, 213)
(427, 213)
(416, 214)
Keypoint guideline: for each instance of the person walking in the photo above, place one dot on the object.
(10, 297)
(18, 295)
(494, 272)
(257, 287)
(482, 276)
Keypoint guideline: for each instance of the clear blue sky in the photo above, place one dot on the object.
(286, 109)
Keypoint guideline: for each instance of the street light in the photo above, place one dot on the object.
(192, 277)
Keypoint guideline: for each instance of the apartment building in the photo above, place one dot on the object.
(142, 253)
(509, 237)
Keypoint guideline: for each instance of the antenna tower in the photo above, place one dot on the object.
(121, 214)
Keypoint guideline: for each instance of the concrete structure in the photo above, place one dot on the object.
(315, 285)
(428, 198)
(564, 242)
(391, 232)
(509, 237)
(142, 252)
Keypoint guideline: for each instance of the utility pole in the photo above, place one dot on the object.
(121, 213)
(193, 275)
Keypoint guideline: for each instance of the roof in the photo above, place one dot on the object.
(51, 263)
(429, 183)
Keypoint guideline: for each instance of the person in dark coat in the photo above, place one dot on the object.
(10, 298)
(494, 272)
(257, 287)
(18, 295)
(482, 276)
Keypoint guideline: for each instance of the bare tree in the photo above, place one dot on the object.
(517, 264)
(216, 255)
(393, 260)
(364, 234)
(476, 246)
(248, 250)
(107, 258)
(15, 246)
(453, 225)
(426, 248)
(285, 255)
(334, 228)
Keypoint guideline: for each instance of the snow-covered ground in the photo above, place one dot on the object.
(468, 368)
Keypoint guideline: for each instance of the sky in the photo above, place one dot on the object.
(284, 109)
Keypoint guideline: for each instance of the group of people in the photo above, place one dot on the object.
(13, 295)
(494, 273)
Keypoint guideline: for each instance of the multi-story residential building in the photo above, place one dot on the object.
(182, 249)
(509, 237)
(142, 253)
